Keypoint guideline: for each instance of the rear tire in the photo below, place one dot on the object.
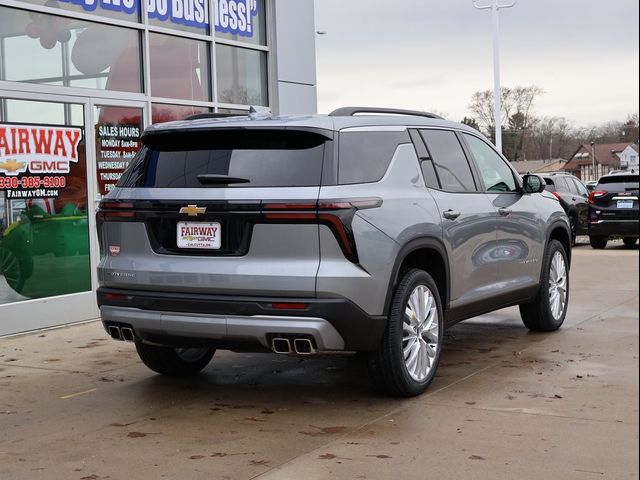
(175, 362)
(629, 241)
(548, 309)
(598, 242)
(408, 356)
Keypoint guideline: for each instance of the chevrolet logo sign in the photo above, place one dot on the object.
(193, 210)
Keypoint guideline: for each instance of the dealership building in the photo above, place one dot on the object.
(79, 82)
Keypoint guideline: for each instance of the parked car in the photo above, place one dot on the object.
(324, 233)
(591, 186)
(572, 195)
(613, 210)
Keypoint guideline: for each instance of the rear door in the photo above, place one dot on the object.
(208, 214)
(579, 198)
(467, 216)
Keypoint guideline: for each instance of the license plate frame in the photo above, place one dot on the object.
(199, 235)
(624, 204)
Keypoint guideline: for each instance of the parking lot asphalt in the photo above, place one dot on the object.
(506, 403)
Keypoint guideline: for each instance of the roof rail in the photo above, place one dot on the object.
(350, 111)
(198, 116)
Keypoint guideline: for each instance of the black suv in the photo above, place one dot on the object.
(572, 195)
(613, 210)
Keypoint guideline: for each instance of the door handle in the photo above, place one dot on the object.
(504, 211)
(450, 214)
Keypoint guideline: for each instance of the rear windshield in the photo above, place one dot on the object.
(619, 183)
(259, 158)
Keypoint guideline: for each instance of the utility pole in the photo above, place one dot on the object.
(593, 162)
(497, 90)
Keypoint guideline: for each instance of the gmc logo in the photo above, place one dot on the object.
(53, 166)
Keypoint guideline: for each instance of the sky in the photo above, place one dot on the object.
(433, 54)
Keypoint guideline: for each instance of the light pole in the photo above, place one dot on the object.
(497, 91)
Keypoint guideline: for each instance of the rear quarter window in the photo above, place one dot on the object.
(364, 156)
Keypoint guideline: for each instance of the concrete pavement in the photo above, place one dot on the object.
(506, 403)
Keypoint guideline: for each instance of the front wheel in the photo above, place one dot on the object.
(549, 308)
(176, 362)
(408, 356)
(598, 242)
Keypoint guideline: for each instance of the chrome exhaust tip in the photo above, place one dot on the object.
(114, 332)
(127, 334)
(281, 345)
(303, 346)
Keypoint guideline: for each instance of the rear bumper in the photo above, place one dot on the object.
(185, 319)
(614, 228)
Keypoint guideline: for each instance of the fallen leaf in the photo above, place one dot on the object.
(259, 462)
(379, 456)
(557, 396)
(136, 435)
(476, 457)
(196, 457)
(327, 456)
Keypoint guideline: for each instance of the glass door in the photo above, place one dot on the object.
(46, 266)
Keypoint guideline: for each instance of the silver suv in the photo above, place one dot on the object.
(365, 230)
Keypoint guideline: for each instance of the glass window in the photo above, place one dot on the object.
(128, 10)
(118, 131)
(240, 20)
(561, 184)
(450, 161)
(67, 52)
(179, 67)
(496, 174)
(365, 156)
(44, 236)
(582, 190)
(242, 76)
(262, 158)
(164, 112)
(618, 183)
(429, 174)
(185, 15)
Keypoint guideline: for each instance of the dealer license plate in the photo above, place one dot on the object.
(203, 235)
(625, 203)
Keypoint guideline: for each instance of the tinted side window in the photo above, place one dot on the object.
(561, 184)
(496, 174)
(449, 160)
(365, 156)
(551, 187)
(582, 190)
(426, 162)
(572, 186)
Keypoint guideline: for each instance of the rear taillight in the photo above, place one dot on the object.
(120, 211)
(595, 194)
(557, 195)
(336, 214)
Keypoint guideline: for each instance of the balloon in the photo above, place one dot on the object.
(32, 30)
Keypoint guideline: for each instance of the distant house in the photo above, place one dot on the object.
(607, 157)
(629, 158)
(539, 166)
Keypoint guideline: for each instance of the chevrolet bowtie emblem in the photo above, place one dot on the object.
(193, 210)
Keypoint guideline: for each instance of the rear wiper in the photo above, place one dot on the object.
(213, 179)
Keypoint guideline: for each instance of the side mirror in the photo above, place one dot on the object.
(532, 184)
